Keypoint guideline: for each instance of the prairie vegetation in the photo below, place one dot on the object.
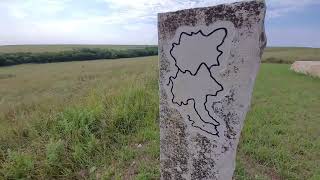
(66, 47)
(80, 120)
(7, 59)
(22, 54)
(288, 55)
(99, 120)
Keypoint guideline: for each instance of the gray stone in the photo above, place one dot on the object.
(209, 58)
(311, 68)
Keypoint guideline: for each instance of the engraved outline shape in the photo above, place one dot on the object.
(209, 69)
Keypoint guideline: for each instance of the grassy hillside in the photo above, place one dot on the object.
(84, 54)
(79, 119)
(284, 55)
(58, 48)
(95, 119)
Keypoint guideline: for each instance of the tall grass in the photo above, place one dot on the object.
(93, 136)
(81, 138)
(99, 120)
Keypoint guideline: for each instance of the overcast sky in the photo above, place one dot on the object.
(288, 22)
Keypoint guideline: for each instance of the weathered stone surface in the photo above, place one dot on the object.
(311, 68)
(209, 58)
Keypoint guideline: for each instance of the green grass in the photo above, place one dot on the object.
(58, 48)
(99, 119)
(80, 119)
(282, 128)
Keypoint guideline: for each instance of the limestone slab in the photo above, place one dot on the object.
(208, 59)
(307, 67)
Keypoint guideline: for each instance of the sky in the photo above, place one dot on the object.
(288, 22)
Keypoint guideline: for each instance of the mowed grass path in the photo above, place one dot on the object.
(99, 119)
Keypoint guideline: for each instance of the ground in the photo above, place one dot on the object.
(99, 119)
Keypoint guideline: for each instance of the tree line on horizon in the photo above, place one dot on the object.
(82, 54)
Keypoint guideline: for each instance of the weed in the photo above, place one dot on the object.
(18, 166)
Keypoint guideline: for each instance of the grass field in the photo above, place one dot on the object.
(58, 48)
(100, 119)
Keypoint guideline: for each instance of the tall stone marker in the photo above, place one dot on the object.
(209, 59)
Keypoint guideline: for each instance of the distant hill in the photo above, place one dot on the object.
(14, 55)
(285, 55)
(67, 47)
(288, 55)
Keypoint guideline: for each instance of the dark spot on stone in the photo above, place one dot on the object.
(230, 118)
(263, 42)
(235, 69)
(230, 98)
(224, 149)
(262, 38)
(170, 22)
(174, 146)
(203, 163)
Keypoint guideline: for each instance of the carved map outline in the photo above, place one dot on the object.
(202, 65)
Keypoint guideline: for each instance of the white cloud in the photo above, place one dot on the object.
(303, 37)
(111, 21)
(147, 9)
(23, 9)
(143, 8)
(278, 8)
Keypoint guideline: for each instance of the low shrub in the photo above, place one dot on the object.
(276, 60)
(55, 156)
(18, 166)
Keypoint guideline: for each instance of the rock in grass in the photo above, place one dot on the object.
(311, 68)
(209, 58)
